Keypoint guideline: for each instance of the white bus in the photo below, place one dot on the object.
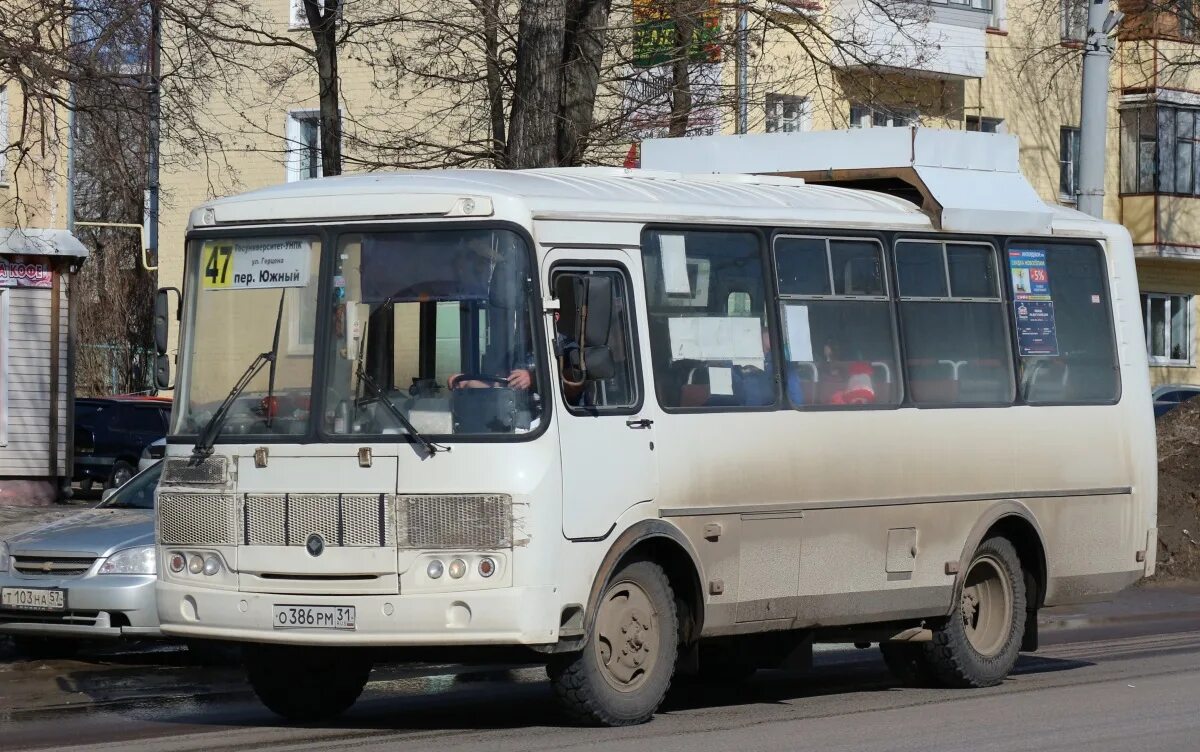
(635, 424)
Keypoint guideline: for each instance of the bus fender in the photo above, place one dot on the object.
(639, 533)
(1009, 508)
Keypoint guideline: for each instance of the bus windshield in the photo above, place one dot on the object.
(250, 296)
(432, 332)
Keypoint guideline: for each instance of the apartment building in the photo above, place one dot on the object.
(991, 65)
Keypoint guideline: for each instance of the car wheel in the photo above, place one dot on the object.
(307, 683)
(45, 647)
(122, 472)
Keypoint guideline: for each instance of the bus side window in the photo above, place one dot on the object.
(1078, 363)
(709, 338)
(953, 318)
(838, 343)
(620, 390)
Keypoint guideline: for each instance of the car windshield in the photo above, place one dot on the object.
(246, 297)
(436, 327)
(138, 491)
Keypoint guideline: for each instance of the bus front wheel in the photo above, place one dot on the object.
(623, 672)
(306, 683)
(979, 643)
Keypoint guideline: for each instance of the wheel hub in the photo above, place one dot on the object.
(986, 606)
(626, 636)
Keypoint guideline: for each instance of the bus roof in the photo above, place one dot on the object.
(561, 193)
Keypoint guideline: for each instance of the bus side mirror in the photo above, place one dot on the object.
(162, 331)
(586, 304)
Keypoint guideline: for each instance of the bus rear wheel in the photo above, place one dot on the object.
(979, 643)
(623, 672)
(306, 683)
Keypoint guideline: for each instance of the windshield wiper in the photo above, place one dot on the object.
(430, 448)
(208, 434)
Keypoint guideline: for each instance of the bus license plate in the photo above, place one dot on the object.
(314, 617)
(33, 599)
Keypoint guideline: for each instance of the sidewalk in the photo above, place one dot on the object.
(1148, 601)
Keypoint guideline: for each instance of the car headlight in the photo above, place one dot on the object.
(136, 560)
(5, 558)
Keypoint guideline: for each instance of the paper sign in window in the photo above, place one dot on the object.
(674, 265)
(720, 380)
(734, 338)
(799, 334)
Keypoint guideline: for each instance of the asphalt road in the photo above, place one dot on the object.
(1116, 687)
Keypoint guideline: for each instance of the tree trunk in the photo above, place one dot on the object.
(586, 26)
(681, 80)
(490, 10)
(322, 22)
(533, 132)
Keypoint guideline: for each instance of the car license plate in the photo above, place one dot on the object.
(33, 599)
(314, 617)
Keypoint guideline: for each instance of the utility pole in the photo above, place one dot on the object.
(1093, 111)
(153, 145)
(743, 66)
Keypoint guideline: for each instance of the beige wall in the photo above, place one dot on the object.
(33, 184)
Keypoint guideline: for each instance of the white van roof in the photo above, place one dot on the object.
(967, 181)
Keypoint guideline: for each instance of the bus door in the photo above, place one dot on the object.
(606, 426)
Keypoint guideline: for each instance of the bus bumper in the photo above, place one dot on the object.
(498, 616)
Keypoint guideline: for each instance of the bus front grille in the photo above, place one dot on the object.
(192, 519)
(340, 519)
(188, 471)
(461, 521)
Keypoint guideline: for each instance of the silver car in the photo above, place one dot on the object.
(90, 575)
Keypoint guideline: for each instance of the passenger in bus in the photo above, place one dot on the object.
(754, 386)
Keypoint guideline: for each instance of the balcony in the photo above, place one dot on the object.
(937, 39)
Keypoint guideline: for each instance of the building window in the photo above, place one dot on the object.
(788, 114)
(999, 16)
(868, 116)
(1168, 320)
(985, 124)
(297, 18)
(1160, 150)
(1186, 14)
(303, 145)
(1068, 164)
(1074, 20)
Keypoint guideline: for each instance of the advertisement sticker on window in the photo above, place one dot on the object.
(1036, 331)
(253, 264)
(1030, 279)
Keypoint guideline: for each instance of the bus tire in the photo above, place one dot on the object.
(979, 643)
(625, 668)
(306, 683)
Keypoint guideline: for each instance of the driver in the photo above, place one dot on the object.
(477, 261)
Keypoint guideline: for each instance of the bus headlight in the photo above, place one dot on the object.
(434, 570)
(457, 569)
(195, 564)
(177, 562)
(212, 565)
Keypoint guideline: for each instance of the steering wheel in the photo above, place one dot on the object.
(487, 379)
